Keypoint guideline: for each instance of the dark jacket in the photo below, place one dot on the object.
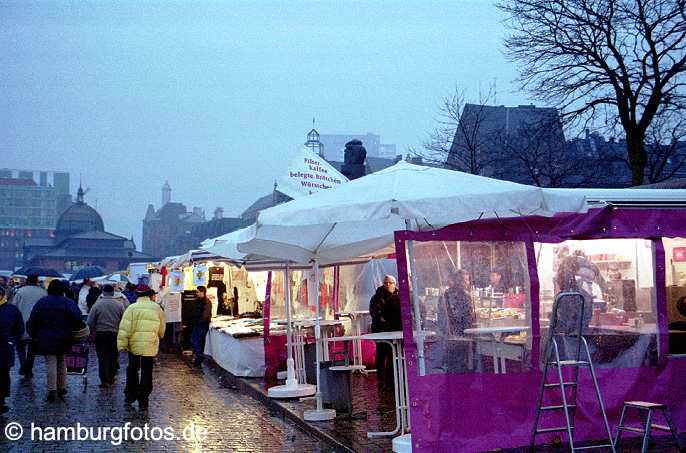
(51, 323)
(459, 310)
(11, 331)
(92, 296)
(202, 311)
(130, 295)
(384, 308)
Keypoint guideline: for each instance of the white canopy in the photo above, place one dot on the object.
(226, 247)
(359, 217)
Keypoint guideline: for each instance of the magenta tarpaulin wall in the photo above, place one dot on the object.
(477, 412)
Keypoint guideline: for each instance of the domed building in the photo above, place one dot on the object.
(80, 240)
(79, 218)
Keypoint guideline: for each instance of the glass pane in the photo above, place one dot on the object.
(615, 306)
(302, 306)
(358, 283)
(472, 300)
(675, 279)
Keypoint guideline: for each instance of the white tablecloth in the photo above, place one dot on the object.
(239, 356)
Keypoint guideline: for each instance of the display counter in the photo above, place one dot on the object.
(237, 345)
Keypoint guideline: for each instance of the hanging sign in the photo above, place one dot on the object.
(200, 275)
(309, 173)
(176, 281)
(679, 254)
(171, 303)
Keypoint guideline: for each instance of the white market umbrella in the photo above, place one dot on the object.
(117, 278)
(226, 247)
(360, 216)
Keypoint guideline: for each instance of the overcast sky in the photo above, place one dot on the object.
(216, 96)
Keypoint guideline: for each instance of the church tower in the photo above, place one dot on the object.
(166, 193)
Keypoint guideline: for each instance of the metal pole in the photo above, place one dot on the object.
(289, 328)
(419, 333)
(318, 414)
(317, 330)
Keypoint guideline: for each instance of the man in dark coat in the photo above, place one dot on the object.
(52, 321)
(11, 331)
(384, 308)
(201, 324)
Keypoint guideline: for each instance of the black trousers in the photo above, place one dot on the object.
(108, 355)
(26, 350)
(138, 387)
(4, 384)
(384, 365)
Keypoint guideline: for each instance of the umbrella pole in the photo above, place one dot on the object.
(291, 389)
(318, 414)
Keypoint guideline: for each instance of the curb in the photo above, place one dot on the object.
(245, 386)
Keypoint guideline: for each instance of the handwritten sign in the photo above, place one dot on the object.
(309, 173)
(171, 303)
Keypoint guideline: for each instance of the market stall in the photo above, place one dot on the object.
(479, 307)
(236, 335)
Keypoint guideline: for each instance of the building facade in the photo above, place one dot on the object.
(80, 240)
(30, 203)
(173, 230)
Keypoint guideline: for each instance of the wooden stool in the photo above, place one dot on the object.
(648, 425)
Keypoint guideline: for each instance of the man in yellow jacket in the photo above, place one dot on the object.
(140, 331)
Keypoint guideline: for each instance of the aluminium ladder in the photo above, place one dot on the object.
(565, 330)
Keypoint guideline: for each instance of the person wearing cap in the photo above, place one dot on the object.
(201, 323)
(11, 331)
(25, 299)
(141, 328)
(104, 319)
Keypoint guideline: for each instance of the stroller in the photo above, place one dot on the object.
(76, 361)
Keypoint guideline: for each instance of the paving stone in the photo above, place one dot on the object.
(234, 422)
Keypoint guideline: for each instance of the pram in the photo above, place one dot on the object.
(76, 361)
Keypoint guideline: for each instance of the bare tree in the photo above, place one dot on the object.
(537, 153)
(624, 59)
(665, 147)
(458, 142)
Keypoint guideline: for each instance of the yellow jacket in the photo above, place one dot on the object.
(141, 328)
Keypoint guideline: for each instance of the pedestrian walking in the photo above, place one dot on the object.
(25, 299)
(140, 331)
(52, 321)
(119, 295)
(202, 314)
(83, 294)
(93, 293)
(104, 319)
(11, 331)
(130, 292)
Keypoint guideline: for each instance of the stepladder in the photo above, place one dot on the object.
(646, 412)
(566, 355)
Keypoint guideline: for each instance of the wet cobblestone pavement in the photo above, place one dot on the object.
(372, 411)
(235, 422)
(236, 413)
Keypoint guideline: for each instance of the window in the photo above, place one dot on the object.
(473, 301)
(675, 279)
(616, 279)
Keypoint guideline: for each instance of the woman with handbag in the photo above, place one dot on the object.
(53, 322)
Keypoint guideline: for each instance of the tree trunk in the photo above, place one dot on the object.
(638, 158)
